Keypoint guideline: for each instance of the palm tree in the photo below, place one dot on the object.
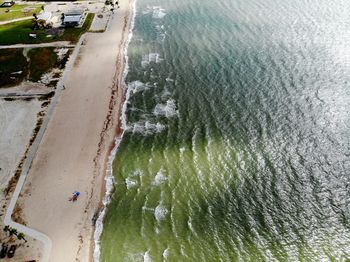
(21, 236)
(7, 228)
(13, 231)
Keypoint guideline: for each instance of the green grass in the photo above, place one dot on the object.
(41, 61)
(18, 32)
(12, 60)
(73, 34)
(18, 11)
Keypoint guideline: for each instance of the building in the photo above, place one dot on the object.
(74, 18)
(45, 17)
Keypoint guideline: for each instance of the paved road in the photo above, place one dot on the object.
(52, 44)
(30, 156)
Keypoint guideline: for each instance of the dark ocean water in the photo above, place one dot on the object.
(237, 143)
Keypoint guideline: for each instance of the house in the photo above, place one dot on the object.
(74, 18)
(7, 4)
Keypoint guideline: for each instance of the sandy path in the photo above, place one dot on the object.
(52, 44)
(72, 154)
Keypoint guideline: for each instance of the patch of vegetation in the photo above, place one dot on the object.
(47, 96)
(28, 99)
(45, 104)
(9, 99)
(73, 34)
(13, 67)
(53, 83)
(18, 11)
(18, 32)
(41, 61)
(62, 63)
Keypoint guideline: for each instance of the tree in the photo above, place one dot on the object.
(7, 228)
(13, 231)
(21, 236)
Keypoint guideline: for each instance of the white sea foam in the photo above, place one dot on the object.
(157, 230)
(151, 58)
(130, 183)
(137, 173)
(166, 253)
(147, 257)
(168, 110)
(160, 212)
(137, 86)
(158, 12)
(146, 128)
(160, 178)
(109, 179)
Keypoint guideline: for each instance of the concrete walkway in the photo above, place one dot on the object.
(30, 156)
(16, 20)
(23, 95)
(52, 44)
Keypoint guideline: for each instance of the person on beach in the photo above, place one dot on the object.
(75, 196)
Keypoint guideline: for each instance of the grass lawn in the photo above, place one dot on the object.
(73, 34)
(18, 33)
(18, 11)
(15, 68)
(41, 61)
(11, 61)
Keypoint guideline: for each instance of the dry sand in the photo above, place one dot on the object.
(17, 121)
(76, 144)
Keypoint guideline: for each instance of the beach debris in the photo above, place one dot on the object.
(94, 218)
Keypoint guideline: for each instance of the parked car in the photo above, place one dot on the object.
(11, 251)
(3, 251)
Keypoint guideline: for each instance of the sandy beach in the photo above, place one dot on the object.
(75, 147)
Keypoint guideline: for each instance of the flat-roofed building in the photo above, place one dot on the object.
(73, 18)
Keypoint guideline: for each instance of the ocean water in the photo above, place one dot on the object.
(237, 134)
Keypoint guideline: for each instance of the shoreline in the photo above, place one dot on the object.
(107, 187)
(75, 150)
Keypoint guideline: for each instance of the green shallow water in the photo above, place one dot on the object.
(237, 142)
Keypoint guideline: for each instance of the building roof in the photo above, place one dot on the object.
(72, 19)
(74, 12)
(44, 16)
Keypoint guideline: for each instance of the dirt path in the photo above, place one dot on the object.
(52, 44)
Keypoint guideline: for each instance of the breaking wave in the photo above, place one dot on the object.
(168, 110)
